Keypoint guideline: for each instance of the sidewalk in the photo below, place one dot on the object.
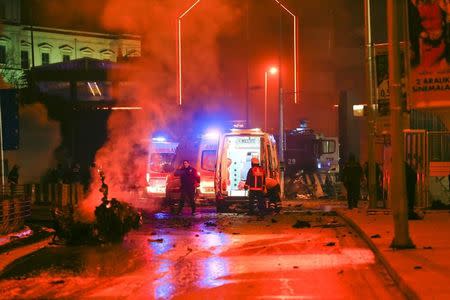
(423, 272)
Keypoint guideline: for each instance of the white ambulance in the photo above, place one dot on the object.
(160, 164)
(206, 163)
(236, 149)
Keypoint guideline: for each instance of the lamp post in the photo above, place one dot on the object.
(271, 71)
(295, 46)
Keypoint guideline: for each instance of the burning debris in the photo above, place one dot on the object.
(113, 220)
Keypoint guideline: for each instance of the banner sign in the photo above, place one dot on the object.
(429, 35)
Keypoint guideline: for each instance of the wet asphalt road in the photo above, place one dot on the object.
(223, 256)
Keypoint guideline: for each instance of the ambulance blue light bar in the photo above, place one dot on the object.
(159, 139)
(212, 134)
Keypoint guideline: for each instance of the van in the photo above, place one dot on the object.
(206, 164)
(160, 164)
(235, 151)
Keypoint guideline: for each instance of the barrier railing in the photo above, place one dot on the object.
(56, 194)
(15, 207)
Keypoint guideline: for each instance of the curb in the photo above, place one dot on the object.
(8, 258)
(401, 284)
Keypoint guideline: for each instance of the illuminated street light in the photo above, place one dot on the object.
(295, 38)
(179, 56)
(271, 71)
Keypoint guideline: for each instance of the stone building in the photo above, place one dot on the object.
(24, 45)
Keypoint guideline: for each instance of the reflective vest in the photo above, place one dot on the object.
(256, 179)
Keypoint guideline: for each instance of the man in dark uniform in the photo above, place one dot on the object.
(352, 174)
(255, 183)
(190, 180)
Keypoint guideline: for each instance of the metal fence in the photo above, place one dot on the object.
(439, 146)
(56, 195)
(14, 209)
(18, 202)
(428, 153)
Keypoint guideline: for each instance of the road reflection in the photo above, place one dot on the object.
(206, 272)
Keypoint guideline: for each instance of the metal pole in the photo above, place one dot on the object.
(1, 144)
(281, 142)
(265, 101)
(247, 53)
(397, 188)
(371, 118)
(281, 108)
(32, 36)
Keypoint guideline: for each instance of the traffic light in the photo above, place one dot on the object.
(10, 118)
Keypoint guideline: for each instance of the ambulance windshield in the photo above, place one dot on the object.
(162, 162)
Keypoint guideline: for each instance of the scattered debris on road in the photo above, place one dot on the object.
(330, 244)
(301, 224)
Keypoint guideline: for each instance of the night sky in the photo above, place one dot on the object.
(331, 53)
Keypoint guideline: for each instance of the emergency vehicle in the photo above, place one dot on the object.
(202, 154)
(235, 151)
(160, 164)
(310, 152)
(206, 163)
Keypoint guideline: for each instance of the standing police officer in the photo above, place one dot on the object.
(190, 180)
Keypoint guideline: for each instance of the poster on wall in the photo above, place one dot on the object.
(429, 35)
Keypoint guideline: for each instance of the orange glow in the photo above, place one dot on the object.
(273, 70)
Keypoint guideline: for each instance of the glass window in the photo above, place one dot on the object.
(24, 59)
(66, 58)
(2, 54)
(209, 160)
(162, 162)
(328, 146)
(45, 58)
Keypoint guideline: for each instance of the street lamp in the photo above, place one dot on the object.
(295, 46)
(179, 56)
(271, 71)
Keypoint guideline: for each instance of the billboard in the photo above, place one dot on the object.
(429, 35)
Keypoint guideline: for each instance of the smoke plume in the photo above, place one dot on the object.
(154, 82)
(39, 136)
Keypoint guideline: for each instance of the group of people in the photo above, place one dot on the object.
(259, 187)
(352, 177)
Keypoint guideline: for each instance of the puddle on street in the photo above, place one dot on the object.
(109, 260)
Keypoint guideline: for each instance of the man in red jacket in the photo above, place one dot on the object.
(255, 183)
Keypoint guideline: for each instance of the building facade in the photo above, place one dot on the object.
(23, 46)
